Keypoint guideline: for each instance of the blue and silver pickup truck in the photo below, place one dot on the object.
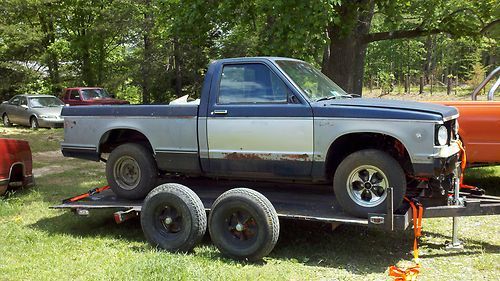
(274, 119)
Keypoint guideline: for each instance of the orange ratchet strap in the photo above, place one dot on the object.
(462, 166)
(87, 194)
(411, 273)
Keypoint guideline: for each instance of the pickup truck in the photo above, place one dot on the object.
(274, 119)
(480, 124)
(15, 164)
(89, 96)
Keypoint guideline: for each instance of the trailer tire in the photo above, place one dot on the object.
(361, 180)
(243, 224)
(131, 171)
(173, 218)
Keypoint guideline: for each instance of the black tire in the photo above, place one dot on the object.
(173, 218)
(6, 120)
(361, 180)
(34, 123)
(131, 171)
(3, 189)
(243, 224)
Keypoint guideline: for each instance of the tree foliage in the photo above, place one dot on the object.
(155, 50)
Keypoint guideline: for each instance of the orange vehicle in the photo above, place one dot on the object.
(479, 125)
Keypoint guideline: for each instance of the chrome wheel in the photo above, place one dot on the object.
(367, 186)
(127, 172)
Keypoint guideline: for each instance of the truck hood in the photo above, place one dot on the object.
(383, 109)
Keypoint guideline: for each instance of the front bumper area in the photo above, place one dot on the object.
(442, 162)
(51, 122)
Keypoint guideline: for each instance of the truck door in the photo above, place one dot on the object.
(256, 128)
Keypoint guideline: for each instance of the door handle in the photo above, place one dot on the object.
(219, 112)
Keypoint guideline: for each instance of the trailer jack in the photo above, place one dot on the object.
(455, 244)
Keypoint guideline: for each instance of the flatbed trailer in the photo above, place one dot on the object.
(298, 202)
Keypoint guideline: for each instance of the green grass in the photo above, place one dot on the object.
(38, 243)
(40, 140)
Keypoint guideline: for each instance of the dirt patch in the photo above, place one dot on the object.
(48, 156)
(54, 156)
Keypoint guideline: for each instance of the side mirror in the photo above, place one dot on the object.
(4, 102)
(113, 96)
(24, 106)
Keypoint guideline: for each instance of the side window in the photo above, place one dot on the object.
(251, 83)
(14, 101)
(23, 101)
(74, 95)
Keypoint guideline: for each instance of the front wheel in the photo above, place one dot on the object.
(131, 171)
(34, 123)
(361, 181)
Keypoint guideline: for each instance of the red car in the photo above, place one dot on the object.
(89, 96)
(15, 164)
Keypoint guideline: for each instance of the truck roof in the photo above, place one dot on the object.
(245, 59)
(82, 88)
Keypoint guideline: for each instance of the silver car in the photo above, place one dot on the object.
(32, 110)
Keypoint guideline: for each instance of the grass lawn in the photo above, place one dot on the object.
(38, 243)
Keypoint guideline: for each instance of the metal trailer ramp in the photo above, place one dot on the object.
(301, 202)
(311, 203)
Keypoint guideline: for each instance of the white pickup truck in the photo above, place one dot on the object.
(274, 119)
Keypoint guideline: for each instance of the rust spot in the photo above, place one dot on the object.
(266, 156)
(292, 157)
(246, 156)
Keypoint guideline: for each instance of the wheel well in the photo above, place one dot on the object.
(347, 144)
(114, 138)
(16, 172)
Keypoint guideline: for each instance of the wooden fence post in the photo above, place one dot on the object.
(448, 85)
(421, 91)
(432, 82)
(407, 84)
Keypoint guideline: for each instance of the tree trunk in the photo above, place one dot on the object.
(178, 72)
(47, 26)
(429, 47)
(86, 71)
(347, 51)
(148, 51)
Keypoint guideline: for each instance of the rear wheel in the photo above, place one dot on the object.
(6, 120)
(361, 181)
(3, 189)
(34, 123)
(131, 171)
(173, 218)
(243, 224)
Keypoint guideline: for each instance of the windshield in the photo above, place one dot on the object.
(311, 81)
(94, 94)
(45, 102)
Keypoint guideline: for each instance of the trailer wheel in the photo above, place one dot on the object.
(361, 180)
(243, 224)
(131, 171)
(173, 218)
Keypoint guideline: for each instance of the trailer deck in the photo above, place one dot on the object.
(312, 203)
